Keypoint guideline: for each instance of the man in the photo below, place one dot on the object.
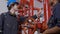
(56, 18)
(9, 20)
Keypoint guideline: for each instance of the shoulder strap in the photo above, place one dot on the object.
(3, 16)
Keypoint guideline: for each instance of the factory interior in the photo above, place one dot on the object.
(29, 17)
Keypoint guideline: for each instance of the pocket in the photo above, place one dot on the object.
(8, 26)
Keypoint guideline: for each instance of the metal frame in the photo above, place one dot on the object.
(47, 11)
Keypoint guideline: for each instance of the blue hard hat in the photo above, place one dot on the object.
(10, 2)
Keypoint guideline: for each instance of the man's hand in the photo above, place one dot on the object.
(53, 30)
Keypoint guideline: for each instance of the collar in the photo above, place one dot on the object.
(11, 14)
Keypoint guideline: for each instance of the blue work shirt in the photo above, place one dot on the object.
(8, 23)
(56, 14)
(55, 18)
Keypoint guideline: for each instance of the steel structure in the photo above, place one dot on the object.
(29, 9)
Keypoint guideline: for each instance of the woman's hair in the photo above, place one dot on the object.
(11, 5)
(58, 1)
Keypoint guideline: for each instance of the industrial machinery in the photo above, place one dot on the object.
(32, 7)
